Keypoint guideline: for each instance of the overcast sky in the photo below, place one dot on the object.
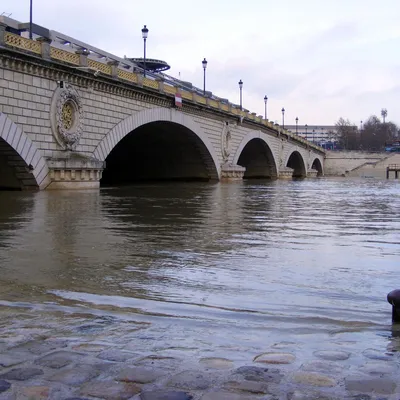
(319, 59)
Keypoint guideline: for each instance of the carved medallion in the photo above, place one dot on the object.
(67, 116)
(226, 138)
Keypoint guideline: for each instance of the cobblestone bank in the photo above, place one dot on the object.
(77, 362)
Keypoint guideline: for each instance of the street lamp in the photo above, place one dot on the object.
(306, 126)
(283, 118)
(313, 132)
(145, 32)
(240, 87)
(30, 20)
(297, 121)
(384, 114)
(204, 62)
(265, 104)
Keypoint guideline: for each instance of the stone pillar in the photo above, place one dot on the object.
(160, 84)
(140, 78)
(83, 55)
(2, 34)
(45, 42)
(114, 67)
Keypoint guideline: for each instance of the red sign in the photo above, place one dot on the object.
(178, 100)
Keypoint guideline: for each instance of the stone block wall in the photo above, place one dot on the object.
(26, 95)
(338, 163)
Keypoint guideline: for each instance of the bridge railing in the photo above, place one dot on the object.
(120, 69)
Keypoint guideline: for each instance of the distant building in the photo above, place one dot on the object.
(323, 135)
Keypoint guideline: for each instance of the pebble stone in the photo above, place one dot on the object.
(314, 379)
(253, 373)
(4, 385)
(225, 396)
(90, 347)
(110, 390)
(76, 398)
(22, 374)
(247, 386)
(40, 347)
(116, 355)
(216, 363)
(275, 358)
(376, 355)
(36, 392)
(58, 359)
(322, 366)
(194, 380)
(165, 395)
(379, 368)
(377, 385)
(139, 374)
(11, 359)
(332, 355)
(74, 376)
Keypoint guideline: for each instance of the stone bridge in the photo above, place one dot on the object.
(73, 116)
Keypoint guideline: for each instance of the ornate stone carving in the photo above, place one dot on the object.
(226, 138)
(67, 116)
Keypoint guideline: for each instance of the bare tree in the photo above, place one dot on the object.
(347, 134)
(375, 134)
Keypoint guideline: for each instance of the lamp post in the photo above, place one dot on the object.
(384, 114)
(240, 87)
(204, 62)
(313, 132)
(145, 32)
(306, 126)
(297, 121)
(265, 104)
(30, 19)
(283, 118)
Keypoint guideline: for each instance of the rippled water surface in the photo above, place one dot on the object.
(221, 267)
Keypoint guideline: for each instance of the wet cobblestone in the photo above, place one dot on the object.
(86, 368)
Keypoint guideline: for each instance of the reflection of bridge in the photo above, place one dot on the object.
(70, 111)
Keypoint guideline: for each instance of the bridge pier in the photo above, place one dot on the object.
(230, 172)
(75, 172)
(312, 173)
(286, 173)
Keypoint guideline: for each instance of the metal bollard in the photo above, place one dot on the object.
(394, 299)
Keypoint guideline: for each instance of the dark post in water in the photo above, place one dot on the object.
(394, 299)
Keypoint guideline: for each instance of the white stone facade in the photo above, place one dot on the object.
(110, 112)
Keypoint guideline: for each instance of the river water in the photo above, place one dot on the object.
(224, 269)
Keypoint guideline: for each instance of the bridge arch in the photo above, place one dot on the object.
(156, 116)
(296, 161)
(22, 165)
(317, 165)
(255, 154)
